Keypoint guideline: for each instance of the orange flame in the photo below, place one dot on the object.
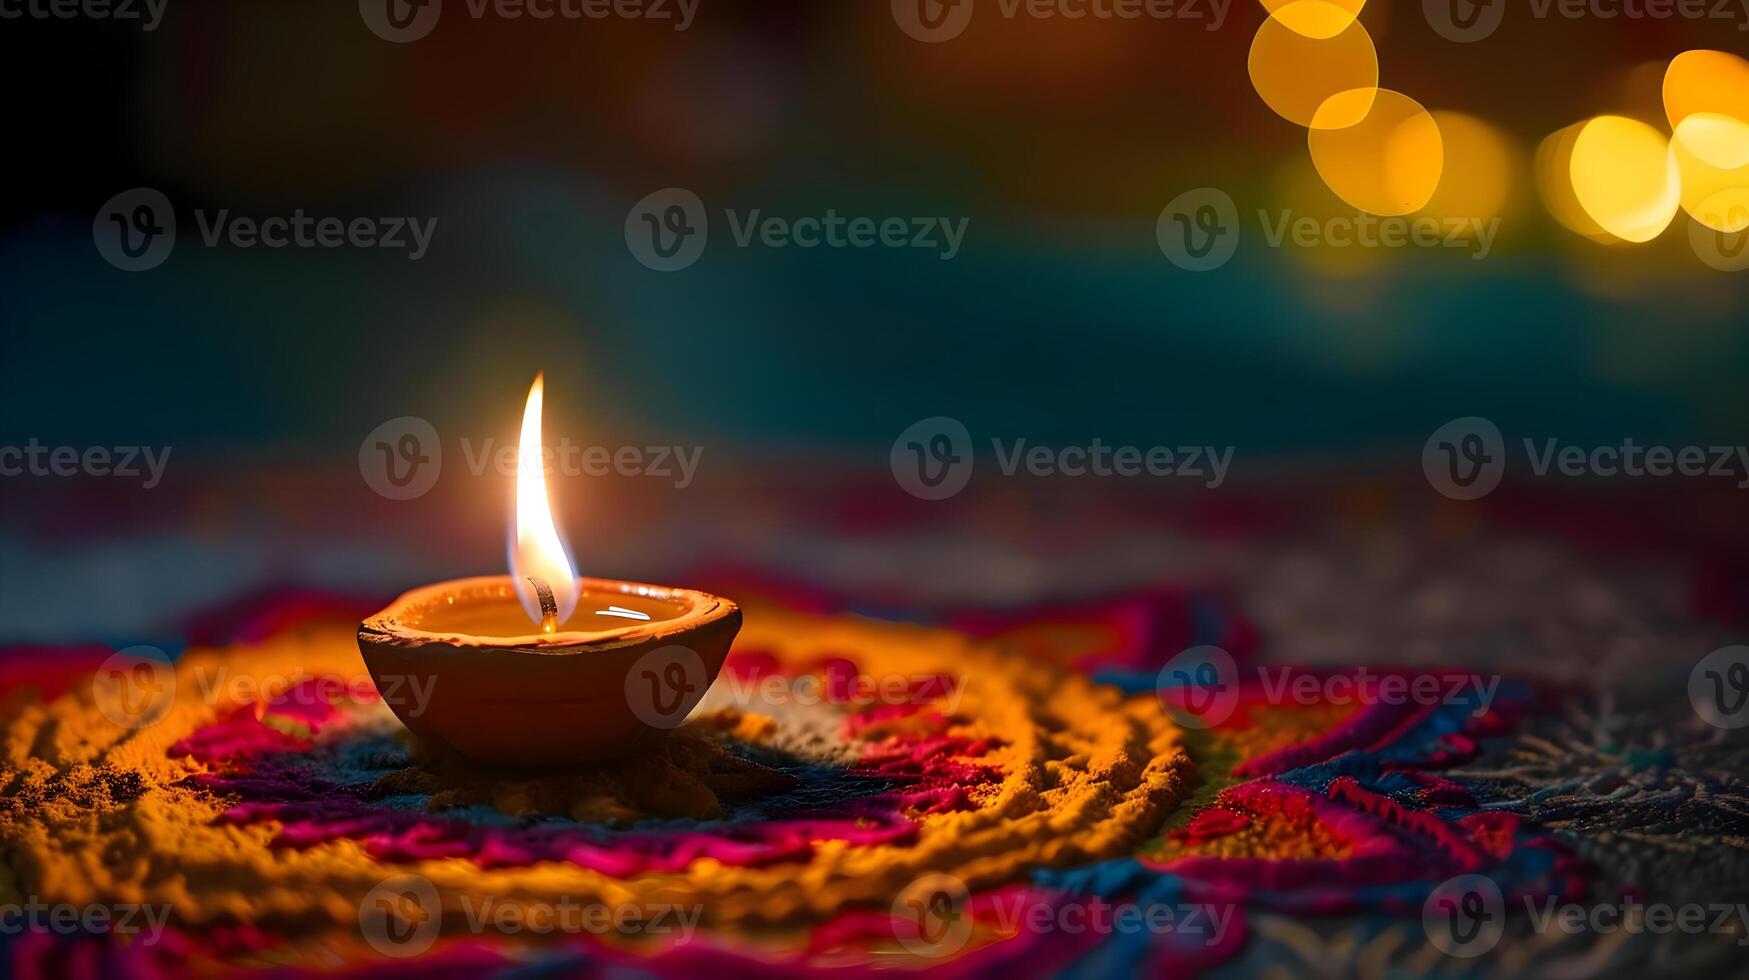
(538, 560)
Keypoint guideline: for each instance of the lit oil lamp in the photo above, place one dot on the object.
(540, 667)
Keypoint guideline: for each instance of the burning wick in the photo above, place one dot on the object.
(540, 569)
(549, 608)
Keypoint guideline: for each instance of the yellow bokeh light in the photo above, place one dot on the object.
(1554, 180)
(1296, 74)
(1316, 19)
(1712, 155)
(1706, 81)
(1480, 165)
(1625, 177)
(1378, 150)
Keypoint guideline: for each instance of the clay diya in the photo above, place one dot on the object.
(542, 668)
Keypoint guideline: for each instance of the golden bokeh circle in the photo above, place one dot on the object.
(1295, 74)
(1378, 150)
(1706, 81)
(1625, 178)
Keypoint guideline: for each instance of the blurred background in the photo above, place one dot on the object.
(1061, 319)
